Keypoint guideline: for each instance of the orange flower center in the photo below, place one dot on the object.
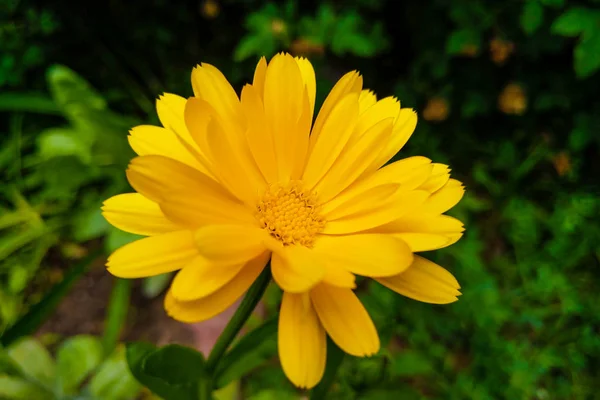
(290, 214)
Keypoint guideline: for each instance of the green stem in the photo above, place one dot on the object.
(238, 320)
(205, 388)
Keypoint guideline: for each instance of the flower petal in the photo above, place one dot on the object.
(170, 109)
(438, 178)
(157, 176)
(196, 207)
(217, 302)
(404, 126)
(230, 244)
(283, 98)
(259, 134)
(153, 255)
(349, 83)
(345, 320)
(259, 76)
(201, 278)
(301, 341)
(445, 198)
(295, 268)
(381, 213)
(310, 81)
(337, 130)
(364, 254)
(423, 223)
(367, 99)
(424, 241)
(353, 161)
(424, 281)
(154, 140)
(132, 212)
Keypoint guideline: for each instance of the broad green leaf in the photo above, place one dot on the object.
(14, 388)
(117, 238)
(175, 364)
(137, 353)
(63, 142)
(116, 314)
(335, 356)
(461, 39)
(274, 394)
(410, 363)
(532, 16)
(587, 54)
(154, 285)
(76, 358)
(574, 21)
(254, 44)
(70, 90)
(252, 350)
(89, 224)
(28, 102)
(38, 313)
(34, 361)
(114, 381)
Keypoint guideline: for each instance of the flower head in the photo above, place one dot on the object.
(229, 183)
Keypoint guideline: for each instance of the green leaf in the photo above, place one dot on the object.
(587, 54)
(62, 142)
(335, 356)
(410, 363)
(175, 364)
(28, 102)
(251, 351)
(89, 224)
(117, 238)
(116, 314)
(38, 313)
(13, 388)
(114, 381)
(253, 45)
(71, 92)
(76, 358)
(574, 21)
(33, 360)
(137, 356)
(532, 16)
(461, 39)
(154, 285)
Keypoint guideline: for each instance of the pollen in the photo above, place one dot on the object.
(290, 214)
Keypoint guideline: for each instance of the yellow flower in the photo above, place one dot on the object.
(229, 183)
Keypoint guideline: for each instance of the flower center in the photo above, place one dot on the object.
(290, 214)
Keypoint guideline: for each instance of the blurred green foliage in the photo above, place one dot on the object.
(507, 94)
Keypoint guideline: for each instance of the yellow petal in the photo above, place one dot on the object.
(153, 255)
(336, 132)
(354, 161)
(230, 244)
(424, 241)
(259, 134)
(132, 212)
(259, 76)
(349, 83)
(154, 140)
(217, 302)
(404, 126)
(197, 206)
(226, 148)
(201, 278)
(301, 341)
(438, 178)
(445, 198)
(364, 254)
(345, 320)
(344, 205)
(367, 99)
(211, 85)
(283, 97)
(170, 108)
(424, 223)
(295, 268)
(157, 176)
(380, 214)
(424, 281)
(383, 109)
(310, 81)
